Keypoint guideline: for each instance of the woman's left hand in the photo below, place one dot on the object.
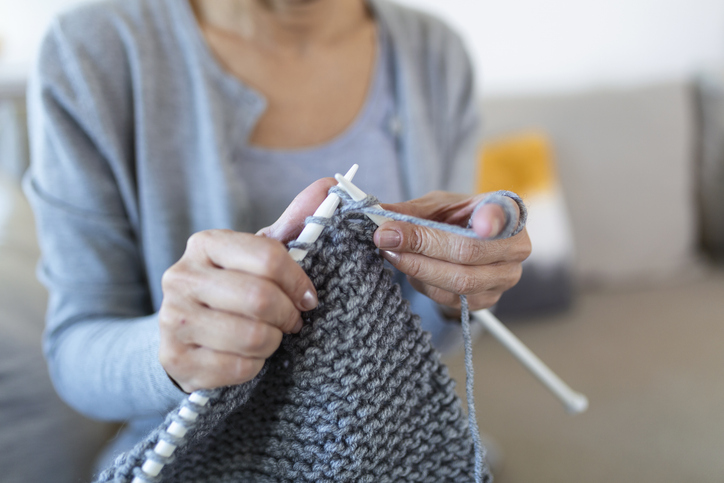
(444, 266)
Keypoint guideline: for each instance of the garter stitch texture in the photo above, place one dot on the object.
(359, 395)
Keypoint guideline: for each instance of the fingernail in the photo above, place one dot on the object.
(389, 239)
(391, 257)
(298, 326)
(309, 301)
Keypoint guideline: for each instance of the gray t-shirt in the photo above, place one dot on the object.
(137, 136)
(369, 141)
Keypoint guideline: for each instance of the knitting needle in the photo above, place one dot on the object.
(311, 231)
(309, 234)
(358, 195)
(164, 449)
(574, 402)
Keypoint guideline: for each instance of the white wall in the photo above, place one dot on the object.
(556, 45)
(22, 23)
(518, 45)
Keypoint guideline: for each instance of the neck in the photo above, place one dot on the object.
(283, 23)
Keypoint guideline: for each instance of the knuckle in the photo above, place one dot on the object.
(255, 337)
(508, 276)
(246, 369)
(468, 250)
(270, 257)
(524, 246)
(416, 240)
(526, 251)
(166, 318)
(169, 317)
(464, 283)
(515, 276)
(181, 280)
(198, 240)
(291, 321)
(171, 277)
(275, 262)
(261, 299)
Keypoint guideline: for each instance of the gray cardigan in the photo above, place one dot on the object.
(134, 130)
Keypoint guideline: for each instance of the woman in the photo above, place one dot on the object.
(158, 127)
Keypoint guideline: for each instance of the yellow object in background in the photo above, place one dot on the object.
(522, 163)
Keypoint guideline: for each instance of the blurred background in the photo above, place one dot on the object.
(608, 117)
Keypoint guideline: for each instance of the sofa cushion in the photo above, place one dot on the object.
(626, 165)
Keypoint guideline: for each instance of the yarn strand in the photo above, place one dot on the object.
(469, 388)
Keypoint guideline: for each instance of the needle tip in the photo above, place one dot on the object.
(577, 404)
(347, 185)
(352, 171)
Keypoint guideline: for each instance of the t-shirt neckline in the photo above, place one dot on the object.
(258, 102)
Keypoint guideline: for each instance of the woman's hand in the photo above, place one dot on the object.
(231, 297)
(444, 266)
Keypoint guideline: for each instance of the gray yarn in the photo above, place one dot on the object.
(514, 222)
(505, 200)
(359, 394)
(470, 390)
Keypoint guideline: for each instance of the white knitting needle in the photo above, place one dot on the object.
(358, 195)
(187, 417)
(309, 234)
(573, 401)
(311, 231)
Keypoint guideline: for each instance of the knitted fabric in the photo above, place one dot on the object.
(359, 395)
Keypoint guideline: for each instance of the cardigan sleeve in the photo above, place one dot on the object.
(101, 338)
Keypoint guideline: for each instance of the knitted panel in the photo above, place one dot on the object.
(359, 395)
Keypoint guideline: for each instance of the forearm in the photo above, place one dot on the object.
(108, 368)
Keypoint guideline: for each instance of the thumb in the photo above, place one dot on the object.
(291, 223)
(496, 219)
(488, 220)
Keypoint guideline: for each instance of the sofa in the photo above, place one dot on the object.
(628, 160)
(41, 439)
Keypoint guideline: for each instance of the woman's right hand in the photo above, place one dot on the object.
(231, 297)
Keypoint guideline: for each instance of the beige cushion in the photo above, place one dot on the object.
(625, 160)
